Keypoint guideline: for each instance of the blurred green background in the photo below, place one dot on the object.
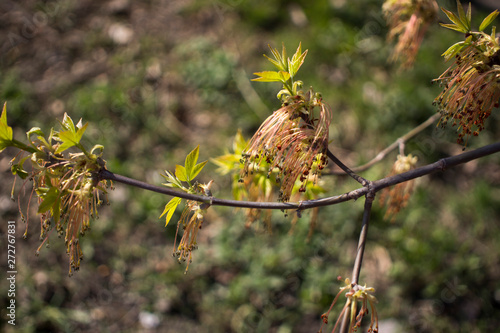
(157, 78)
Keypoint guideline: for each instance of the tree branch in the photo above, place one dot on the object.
(376, 186)
(380, 156)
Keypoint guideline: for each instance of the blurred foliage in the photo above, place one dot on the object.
(155, 79)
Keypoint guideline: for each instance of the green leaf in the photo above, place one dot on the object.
(190, 162)
(49, 199)
(67, 123)
(5, 130)
(469, 16)
(452, 27)
(196, 170)
(464, 17)
(172, 181)
(180, 173)
(170, 209)
(459, 26)
(453, 50)
(275, 63)
(80, 132)
(270, 76)
(56, 210)
(297, 60)
(34, 130)
(70, 138)
(488, 20)
(17, 169)
(96, 147)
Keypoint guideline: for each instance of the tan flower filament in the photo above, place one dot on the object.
(396, 198)
(471, 87)
(408, 21)
(290, 141)
(355, 293)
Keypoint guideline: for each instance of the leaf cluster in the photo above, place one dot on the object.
(184, 174)
(287, 69)
(462, 23)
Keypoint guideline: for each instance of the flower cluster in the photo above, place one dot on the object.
(471, 86)
(292, 141)
(355, 293)
(191, 221)
(193, 214)
(67, 184)
(68, 196)
(396, 197)
(408, 21)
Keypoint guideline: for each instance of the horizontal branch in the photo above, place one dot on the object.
(375, 186)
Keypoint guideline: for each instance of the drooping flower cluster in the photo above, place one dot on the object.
(191, 221)
(355, 293)
(396, 198)
(471, 87)
(408, 21)
(290, 141)
(192, 216)
(68, 196)
(67, 184)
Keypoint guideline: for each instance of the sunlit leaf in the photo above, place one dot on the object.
(180, 173)
(453, 50)
(453, 27)
(35, 130)
(49, 199)
(488, 19)
(197, 168)
(68, 139)
(172, 181)
(80, 132)
(5, 130)
(459, 26)
(18, 169)
(270, 76)
(190, 162)
(68, 124)
(464, 17)
(170, 208)
(297, 60)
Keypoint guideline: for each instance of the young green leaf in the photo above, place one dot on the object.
(459, 26)
(49, 199)
(67, 123)
(190, 162)
(453, 27)
(35, 130)
(464, 18)
(171, 180)
(170, 209)
(453, 50)
(196, 170)
(270, 76)
(17, 169)
(180, 173)
(487, 21)
(5, 130)
(70, 138)
(297, 60)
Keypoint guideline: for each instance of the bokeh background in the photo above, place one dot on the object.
(157, 78)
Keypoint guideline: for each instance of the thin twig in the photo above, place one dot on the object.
(348, 171)
(380, 156)
(370, 196)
